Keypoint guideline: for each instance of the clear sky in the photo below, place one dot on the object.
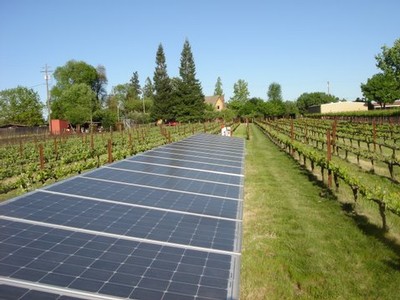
(300, 44)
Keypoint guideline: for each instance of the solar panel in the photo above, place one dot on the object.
(162, 225)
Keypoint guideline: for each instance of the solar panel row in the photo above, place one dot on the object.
(165, 224)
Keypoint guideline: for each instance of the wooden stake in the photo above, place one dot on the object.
(41, 156)
(109, 148)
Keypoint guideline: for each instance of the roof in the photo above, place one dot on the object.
(213, 99)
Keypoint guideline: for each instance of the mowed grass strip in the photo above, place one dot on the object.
(298, 242)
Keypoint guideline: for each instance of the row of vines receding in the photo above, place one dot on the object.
(365, 156)
(30, 162)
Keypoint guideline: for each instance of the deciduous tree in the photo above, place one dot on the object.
(382, 88)
(309, 99)
(20, 105)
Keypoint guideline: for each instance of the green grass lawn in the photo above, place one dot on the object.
(300, 243)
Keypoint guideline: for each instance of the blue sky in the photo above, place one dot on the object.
(299, 44)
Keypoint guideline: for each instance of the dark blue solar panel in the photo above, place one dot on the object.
(109, 266)
(162, 225)
(124, 220)
(187, 164)
(165, 182)
(179, 172)
(147, 196)
(192, 157)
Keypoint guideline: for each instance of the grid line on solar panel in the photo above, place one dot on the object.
(231, 142)
(138, 205)
(118, 236)
(196, 158)
(25, 290)
(209, 150)
(187, 164)
(217, 147)
(158, 188)
(182, 167)
(205, 205)
(132, 169)
(158, 226)
(197, 154)
(176, 146)
(188, 160)
(99, 262)
(214, 189)
(178, 172)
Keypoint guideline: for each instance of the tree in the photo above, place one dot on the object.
(148, 89)
(100, 84)
(162, 108)
(75, 104)
(135, 90)
(189, 96)
(240, 95)
(274, 106)
(218, 87)
(275, 92)
(309, 99)
(389, 60)
(382, 88)
(78, 73)
(22, 106)
(291, 108)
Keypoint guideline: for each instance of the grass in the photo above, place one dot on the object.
(300, 243)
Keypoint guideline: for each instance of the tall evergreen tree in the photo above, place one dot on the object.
(134, 91)
(218, 87)
(189, 95)
(162, 108)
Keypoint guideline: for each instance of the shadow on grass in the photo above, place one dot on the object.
(361, 221)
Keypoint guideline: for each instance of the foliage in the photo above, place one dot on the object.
(240, 96)
(148, 89)
(291, 108)
(382, 88)
(75, 73)
(100, 84)
(75, 104)
(389, 60)
(252, 108)
(309, 99)
(107, 117)
(275, 92)
(240, 92)
(189, 97)
(20, 106)
(162, 108)
(134, 89)
(218, 91)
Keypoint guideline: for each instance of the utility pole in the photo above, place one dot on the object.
(47, 77)
(328, 88)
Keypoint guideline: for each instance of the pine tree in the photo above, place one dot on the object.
(189, 96)
(162, 108)
(218, 87)
(134, 87)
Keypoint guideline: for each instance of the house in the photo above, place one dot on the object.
(217, 102)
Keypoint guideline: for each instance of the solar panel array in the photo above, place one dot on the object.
(165, 224)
